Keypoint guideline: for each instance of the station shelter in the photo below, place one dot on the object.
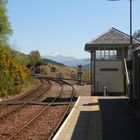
(109, 53)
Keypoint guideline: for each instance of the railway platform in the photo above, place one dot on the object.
(100, 118)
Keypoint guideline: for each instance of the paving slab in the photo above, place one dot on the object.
(100, 118)
(84, 121)
(119, 119)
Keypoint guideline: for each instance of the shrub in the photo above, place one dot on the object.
(12, 75)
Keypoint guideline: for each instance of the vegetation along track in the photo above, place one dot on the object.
(6, 109)
(45, 123)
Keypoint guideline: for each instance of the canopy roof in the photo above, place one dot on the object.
(110, 38)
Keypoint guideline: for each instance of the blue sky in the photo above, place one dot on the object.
(64, 26)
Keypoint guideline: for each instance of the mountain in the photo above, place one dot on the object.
(58, 57)
(87, 65)
(52, 62)
(68, 60)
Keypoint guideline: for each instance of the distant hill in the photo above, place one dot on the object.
(68, 60)
(87, 66)
(60, 60)
(55, 69)
(53, 62)
(18, 53)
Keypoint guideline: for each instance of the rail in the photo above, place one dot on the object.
(66, 111)
(26, 102)
(61, 82)
(36, 116)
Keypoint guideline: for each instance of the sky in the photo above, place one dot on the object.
(65, 26)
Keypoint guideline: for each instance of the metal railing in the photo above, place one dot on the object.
(126, 72)
(127, 77)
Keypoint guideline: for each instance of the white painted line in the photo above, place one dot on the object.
(62, 126)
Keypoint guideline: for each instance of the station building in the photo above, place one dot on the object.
(109, 53)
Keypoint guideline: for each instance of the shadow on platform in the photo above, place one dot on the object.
(87, 126)
(119, 120)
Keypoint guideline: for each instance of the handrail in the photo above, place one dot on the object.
(126, 72)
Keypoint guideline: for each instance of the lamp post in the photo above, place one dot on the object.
(131, 39)
(130, 47)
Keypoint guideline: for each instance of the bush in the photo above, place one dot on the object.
(12, 75)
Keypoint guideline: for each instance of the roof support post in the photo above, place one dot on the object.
(93, 58)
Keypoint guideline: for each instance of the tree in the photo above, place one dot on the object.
(5, 28)
(34, 58)
(137, 34)
(12, 74)
(18, 57)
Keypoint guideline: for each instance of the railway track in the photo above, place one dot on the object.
(65, 114)
(31, 96)
(3, 104)
(46, 112)
(26, 94)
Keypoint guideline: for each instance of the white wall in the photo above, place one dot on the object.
(113, 80)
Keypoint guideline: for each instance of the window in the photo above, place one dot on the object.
(110, 54)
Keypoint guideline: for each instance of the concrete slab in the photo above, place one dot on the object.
(100, 118)
(84, 121)
(119, 120)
